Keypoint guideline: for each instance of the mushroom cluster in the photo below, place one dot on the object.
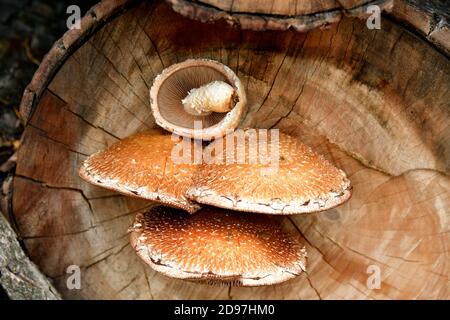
(217, 199)
(198, 91)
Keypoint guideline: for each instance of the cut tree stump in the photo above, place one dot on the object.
(374, 102)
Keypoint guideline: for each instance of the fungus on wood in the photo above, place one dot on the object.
(373, 102)
(299, 15)
(217, 246)
(198, 98)
(141, 166)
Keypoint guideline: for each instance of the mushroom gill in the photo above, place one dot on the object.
(217, 246)
(185, 99)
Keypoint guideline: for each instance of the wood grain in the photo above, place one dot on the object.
(374, 102)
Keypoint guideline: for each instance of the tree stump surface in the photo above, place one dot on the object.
(374, 102)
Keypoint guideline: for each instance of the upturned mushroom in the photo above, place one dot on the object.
(142, 166)
(217, 246)
(272, 174)
(198, 98)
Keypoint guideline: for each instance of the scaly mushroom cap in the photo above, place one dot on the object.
(301, 182)
(217, 246)
(141, 166)
(175, 84)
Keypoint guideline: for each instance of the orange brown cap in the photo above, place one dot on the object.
(292, 178)
(141, 166)
(217, 246)
(192, 80)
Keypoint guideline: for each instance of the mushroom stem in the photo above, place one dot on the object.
(216, 96)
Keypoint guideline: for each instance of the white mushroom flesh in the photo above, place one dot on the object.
(216, 96)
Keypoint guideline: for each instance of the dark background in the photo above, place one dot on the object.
(28, 29)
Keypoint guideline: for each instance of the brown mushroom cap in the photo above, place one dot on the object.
(217, 246)
(173, 85)
(303, 181)
(141, 166)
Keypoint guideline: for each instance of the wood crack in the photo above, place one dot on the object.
(201, 6)
(148, 283)
(229, 295)
(114, 67)
(40, 132)
(109, 250)
(323, 256)
(142, 121)
(151, 41)
(291, 108)
(127, 285)
(346, 247)
(90, 109)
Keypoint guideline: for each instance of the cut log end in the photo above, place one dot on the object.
(374, 102)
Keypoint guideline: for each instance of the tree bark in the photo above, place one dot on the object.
(374, 102)
(299, 15)
(20, 277)
(429, 18)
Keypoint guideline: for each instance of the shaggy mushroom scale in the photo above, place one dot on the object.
(198, 98)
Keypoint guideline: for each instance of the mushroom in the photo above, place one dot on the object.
(294, 180)
(217, 246)
(216, 96)
(198, 98)
(142, 166)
